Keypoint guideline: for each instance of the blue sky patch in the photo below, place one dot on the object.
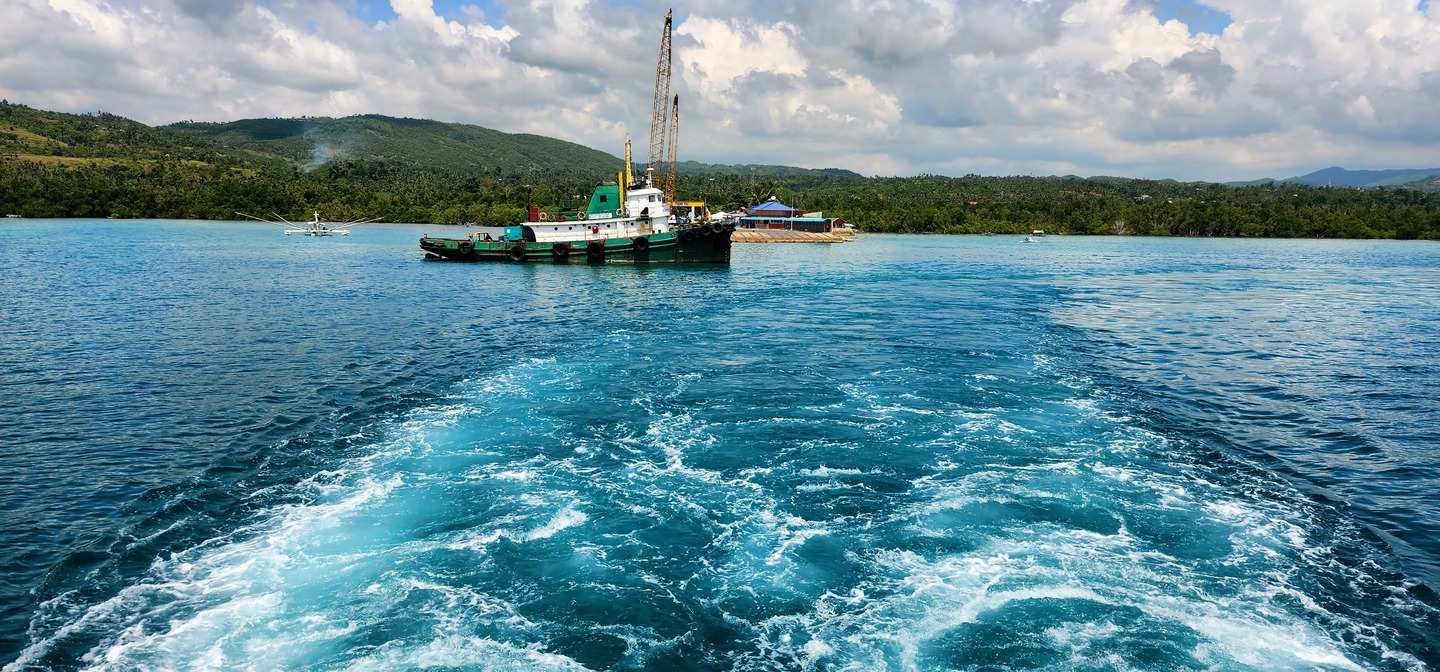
(1198, 17)
(379, 10)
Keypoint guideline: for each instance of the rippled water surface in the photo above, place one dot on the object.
(223, 448)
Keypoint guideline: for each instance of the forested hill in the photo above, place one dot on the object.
(57, 138)
(1422, 179)
(306, 144)
(408, 170)
(414, 143)
(714, 170)
(1426, 179)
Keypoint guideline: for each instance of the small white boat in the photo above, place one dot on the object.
(317, 226)
(1029, 239)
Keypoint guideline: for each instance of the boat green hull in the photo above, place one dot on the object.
(697, 244)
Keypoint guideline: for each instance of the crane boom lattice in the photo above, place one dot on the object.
(662, 99)
(672, 146)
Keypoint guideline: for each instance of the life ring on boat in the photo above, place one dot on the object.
(560, 251)
(580, 215)
(595, 250)
(516, 253)
(465, 247)
(544, 216)
(688, 235)
(641, 244)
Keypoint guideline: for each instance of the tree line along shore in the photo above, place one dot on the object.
(926, 204)
(100, 165)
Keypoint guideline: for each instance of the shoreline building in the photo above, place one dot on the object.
(776, 215)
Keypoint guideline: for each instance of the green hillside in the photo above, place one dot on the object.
(434, 145)
(1430, 183)
(408, 170)
(1365, 179)
(695, 168)
(1427, 179)
(413, 143)
(57, 138)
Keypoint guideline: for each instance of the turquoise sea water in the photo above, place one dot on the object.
(222, 448)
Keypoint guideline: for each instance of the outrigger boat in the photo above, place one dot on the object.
(315, 227)
(619, 224)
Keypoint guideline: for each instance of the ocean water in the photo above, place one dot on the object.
(222, 448)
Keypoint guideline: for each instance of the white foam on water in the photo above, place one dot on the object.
(565, 519)
(829, 486)
(791, 534)
(831, 472)
(929, 598)
(464, 652)
(301, 580)
(1188, 559)
(1241, 616)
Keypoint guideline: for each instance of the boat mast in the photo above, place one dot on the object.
(624, 182)
(628, 178)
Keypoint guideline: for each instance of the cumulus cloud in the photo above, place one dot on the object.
(1121, 87)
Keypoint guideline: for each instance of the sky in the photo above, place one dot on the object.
(1217, 90)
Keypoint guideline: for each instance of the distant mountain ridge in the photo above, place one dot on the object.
(311, 142)
(761, 170)
(1427, 179)
(56, 164)
(435, 145)
(307, 143)
(58, 138)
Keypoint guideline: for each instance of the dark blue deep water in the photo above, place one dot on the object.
(222, 448)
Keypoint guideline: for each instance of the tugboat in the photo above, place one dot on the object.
(619, 224)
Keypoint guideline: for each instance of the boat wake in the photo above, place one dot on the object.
(530, 522)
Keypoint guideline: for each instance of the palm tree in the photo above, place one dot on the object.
(761, 192)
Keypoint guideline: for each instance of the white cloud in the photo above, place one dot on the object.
(725, 51)
(755, 87)
(879, 86)
(284, 56)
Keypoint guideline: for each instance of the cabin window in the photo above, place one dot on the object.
(652, 198)
(604, 198)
